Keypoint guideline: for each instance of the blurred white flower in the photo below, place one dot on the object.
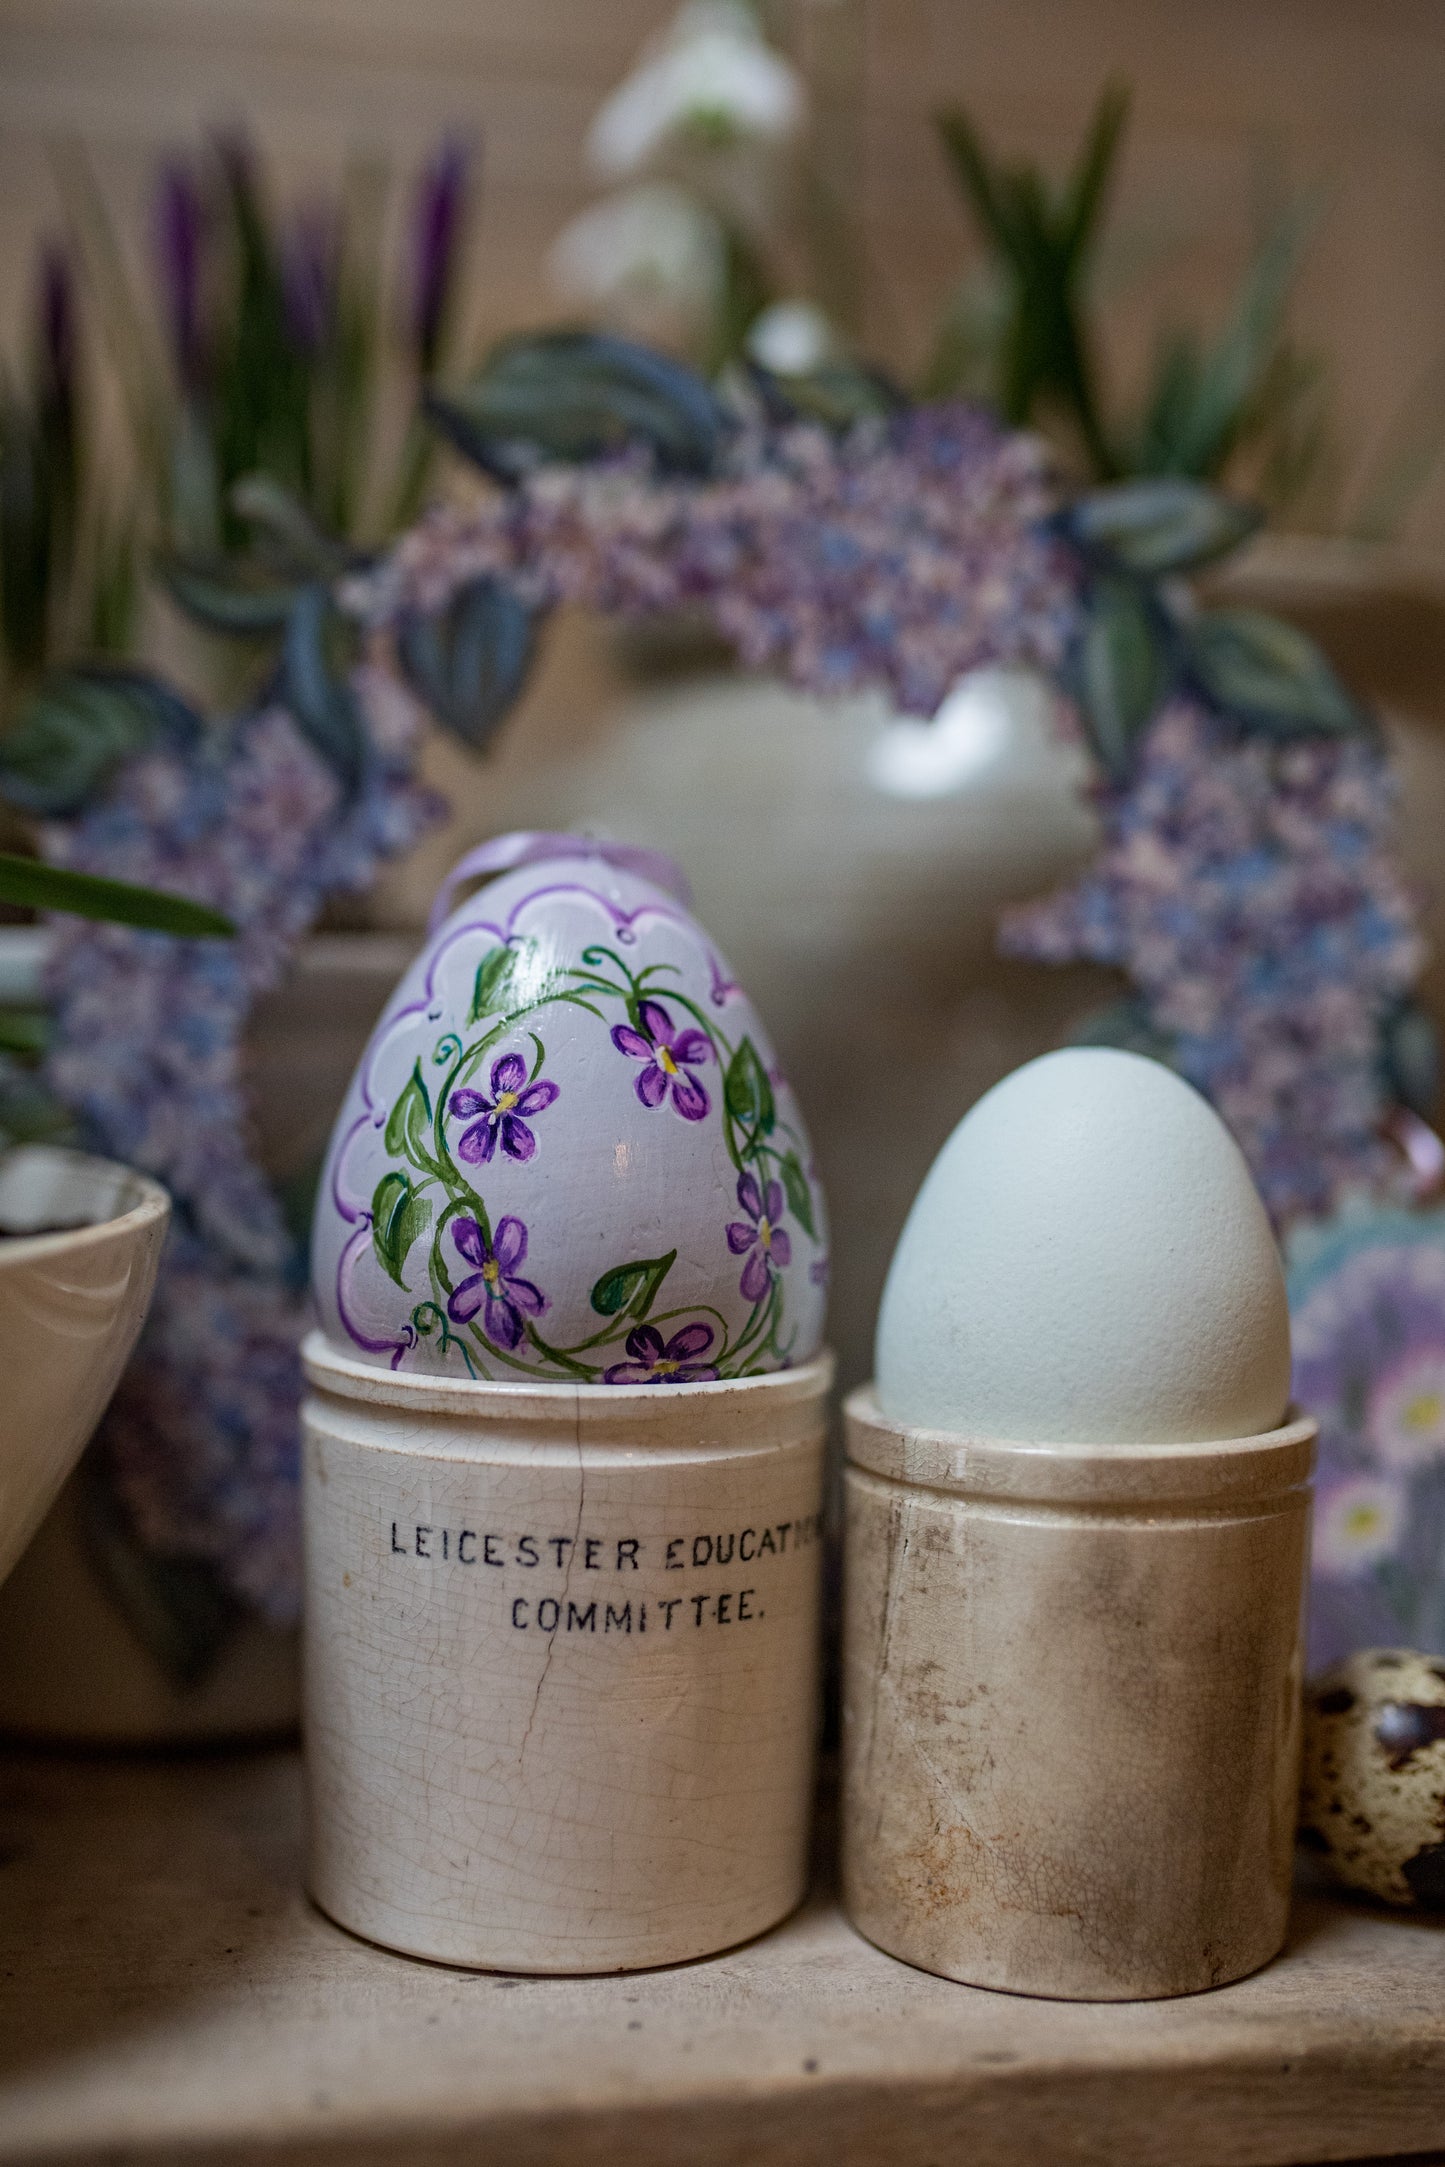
(1406, 1417)
(650, 259)
(1357, 1523)
(711, 80)
(791, 337)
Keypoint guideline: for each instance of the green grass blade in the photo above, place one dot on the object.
(1084, 198)
(36, 886)
(970, 164)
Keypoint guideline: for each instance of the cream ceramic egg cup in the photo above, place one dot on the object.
(561, 1661)
(1071, 1705)
(72, 1302)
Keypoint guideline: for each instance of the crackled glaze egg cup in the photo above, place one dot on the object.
(564, 1443)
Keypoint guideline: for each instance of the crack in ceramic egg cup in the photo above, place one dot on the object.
(1077, 1530)
(563, 1464)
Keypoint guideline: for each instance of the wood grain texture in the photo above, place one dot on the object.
(167, 1995)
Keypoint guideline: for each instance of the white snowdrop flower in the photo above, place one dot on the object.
(650, 252)
(1406, 1419)
(1357, 1523)
(791, 337)
(711, 79)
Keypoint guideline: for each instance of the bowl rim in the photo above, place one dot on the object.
(152, 1204)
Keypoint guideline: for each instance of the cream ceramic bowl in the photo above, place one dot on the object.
(80, 1240)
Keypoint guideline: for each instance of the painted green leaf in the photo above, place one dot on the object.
(1269, 674)
(35, 886)
(1161, 525)
(409, 1127)
(510, 977)
(631, 1289)
(1119, 671)
(748, 1092)
(800, 1198)
(489, 992)
(398, 1216)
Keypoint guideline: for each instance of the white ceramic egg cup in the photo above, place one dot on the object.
(1071, 1695)
(561, 1671)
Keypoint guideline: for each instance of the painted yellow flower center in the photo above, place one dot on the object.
(665, 1062)
(506, 1100)
(765, 1233)
(1363, 1521)
(491, 1271)
(662, 1367)
(1425, 1411)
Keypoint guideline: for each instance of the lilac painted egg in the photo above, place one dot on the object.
(568, 1152)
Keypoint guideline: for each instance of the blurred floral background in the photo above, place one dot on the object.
(289, 490)
(1237, 107)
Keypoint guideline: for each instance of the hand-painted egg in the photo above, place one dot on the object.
(1373, 1800)
(568, 1152)
(1087, 1262)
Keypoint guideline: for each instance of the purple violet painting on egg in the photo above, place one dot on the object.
(569, 1153)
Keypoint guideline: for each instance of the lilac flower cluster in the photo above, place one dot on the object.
(201, 1438)
(898, 556)
(1249, 890)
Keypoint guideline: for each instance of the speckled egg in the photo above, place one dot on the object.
(1374, 1774)
(568, 1152)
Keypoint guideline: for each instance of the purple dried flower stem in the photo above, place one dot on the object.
(438, 223)
(180, 231)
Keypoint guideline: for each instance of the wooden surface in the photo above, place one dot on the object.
(167, 1994)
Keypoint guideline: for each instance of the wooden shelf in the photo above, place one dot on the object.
(167, 1994)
